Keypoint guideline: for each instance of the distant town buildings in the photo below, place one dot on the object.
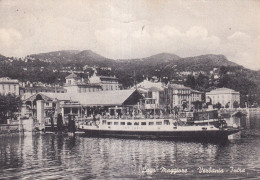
(224, 96)
(9, 86)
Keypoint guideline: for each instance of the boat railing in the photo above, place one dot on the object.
(124, 117)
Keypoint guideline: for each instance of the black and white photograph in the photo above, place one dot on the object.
(129, 89)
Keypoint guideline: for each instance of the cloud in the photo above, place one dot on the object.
(132, 29)
(145, 40)
(239, 36)
(197, 32)
(242, 49)
(8, 37)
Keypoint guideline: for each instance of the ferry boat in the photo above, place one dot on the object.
(197, 126)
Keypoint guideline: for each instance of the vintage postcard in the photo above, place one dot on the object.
(136, 89)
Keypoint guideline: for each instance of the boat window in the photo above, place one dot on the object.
(136, 123)
(166, 122)
(115, 123)
(151, 123)
(143, 123)
(104, 122)
(122, 123)
(109, 123)
(159, 123)
(129, 123)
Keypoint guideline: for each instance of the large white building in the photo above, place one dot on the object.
(9, 86)
(155, 91)
(106, 82)
(223, 96)
(74, 84)
(180, 94)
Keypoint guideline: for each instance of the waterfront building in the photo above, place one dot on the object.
(79, 104)
(224, 96)
(74, 84)
(106, 82)
(179, 95)
(196, 95)
(9, 86)
(154, 90)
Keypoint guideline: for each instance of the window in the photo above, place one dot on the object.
(129, 123)
(109, 123)
(136, 123)
(143, 123)
(158, 123)
(151, 123)
(115, 123)
(166, 122)
(122, 123)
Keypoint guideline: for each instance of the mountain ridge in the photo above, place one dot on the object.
(89, 55)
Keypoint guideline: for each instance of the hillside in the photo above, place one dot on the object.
(2, 57)
(160, 65)
(88, 57)
(53, 67)
(161, 58)
(72, 56)
(204, 62)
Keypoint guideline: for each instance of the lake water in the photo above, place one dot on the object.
(50, 156)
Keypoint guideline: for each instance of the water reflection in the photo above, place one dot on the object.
(60, 156)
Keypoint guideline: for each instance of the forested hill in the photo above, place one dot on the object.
(34, 67)
(73, 56)
(53, 67)
(2, 57)
(89, 57)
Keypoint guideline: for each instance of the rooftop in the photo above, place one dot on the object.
(148, 84)
(72, 76)
(100, 98)
(107, 77)
(8, 80)
(44, 88)
(222, 90)
(178, 86)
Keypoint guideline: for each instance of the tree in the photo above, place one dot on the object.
(235, 104)
(202, 82)
(9, 104)
(190, 81)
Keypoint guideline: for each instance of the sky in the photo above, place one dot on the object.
(120, 29)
